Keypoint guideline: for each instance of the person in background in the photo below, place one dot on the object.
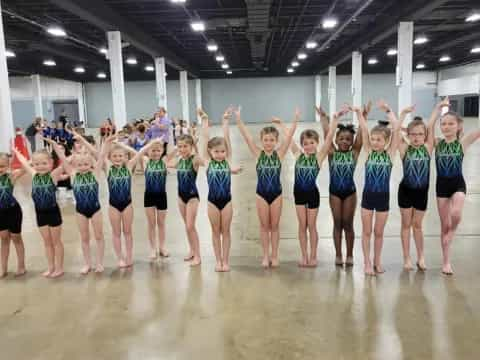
(160, 128)
(31, 131)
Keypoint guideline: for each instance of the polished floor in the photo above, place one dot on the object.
(167, 310)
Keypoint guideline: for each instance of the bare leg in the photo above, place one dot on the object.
(183, 212)
(151, 218)
(263, 211)
(82, 222)
(349, 206)
(407, 218)
(161, 215)
(5, 251)
(275, 213)
(97, 223)
(127, 220)
(191, 217)
(418, 236)
(336, 207)
(56, 233)
(302, 234)
(20, 249)
(312, 230)
(378, 230)
(116, 223)
(215, 221)
(226, 217)
(367, 219)
(49, 251)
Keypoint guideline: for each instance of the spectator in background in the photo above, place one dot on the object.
(160, 128)
(31, 131)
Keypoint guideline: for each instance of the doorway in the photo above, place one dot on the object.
(67, 109)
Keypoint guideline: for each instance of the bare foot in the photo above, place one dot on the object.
(378, 269)
(3, 274)
(189, 257)
(47, 273)
(303, 263)
(266, 263)
(447, 269)
(407, 265)
(274, 263)
(368, 270)
(421, 265)
(195, 261)
(312, 263)
(85, 270)
(99, 269)
(338, 261)
(122, 263)
(153, 255)
(164, 253)
(129, 264)
(56, 274)
(218, 267)
(226, 267)
(20, 272)
(349, 261)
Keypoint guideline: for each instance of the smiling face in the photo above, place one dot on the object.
(118, 157)
(184, 148)
(42, 163)
(344, 140)
(218, 153)
(417, 135)
(450, 125)
(155, 152)
(83, 163)
(378, 140)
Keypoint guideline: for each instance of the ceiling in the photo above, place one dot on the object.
(257, 37)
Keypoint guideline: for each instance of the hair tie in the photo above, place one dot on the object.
(383, 122)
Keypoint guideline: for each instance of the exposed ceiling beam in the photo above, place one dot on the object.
(97, 13)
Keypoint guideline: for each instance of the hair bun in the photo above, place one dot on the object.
(383, 122)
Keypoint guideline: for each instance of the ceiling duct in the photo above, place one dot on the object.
(258, 32)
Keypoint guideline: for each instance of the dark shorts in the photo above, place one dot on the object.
(446, 187)
(49, 217)
(378, 201)
(11, 219)
(412, 198)
(342, 195)
(88, 212)
(186, 197)
(157, 200)
(309, 199)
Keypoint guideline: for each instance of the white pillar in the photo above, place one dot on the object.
(318, 95)
(6, 118)
(116, 74)
(161, 82)
(356, 82)
(332, 90)
(184, 96)
(404, 65)
(198, 97)
(37, 96)
(81, 104)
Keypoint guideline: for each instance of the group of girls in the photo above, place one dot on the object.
(340, 146)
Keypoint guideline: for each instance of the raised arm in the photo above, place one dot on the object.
(324, 120)
(205, 132)
(92, 149)
(254, 149)
(140, 154)
(396, 126)
(285, 130)
(23, 161)
(105, 149)
(324, 150)
(66, 166)
(226, 130)
(363, 128)
(289, 136)
(437, 111)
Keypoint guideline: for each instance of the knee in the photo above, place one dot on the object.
(337, 224)
(406, 223)
(16, 238)
(417, 225)
(456, 217)
(5, 240)
(190, 226)
(274, 227)
(312, 228)
(265, 227)
(378, 233)
(348, 226)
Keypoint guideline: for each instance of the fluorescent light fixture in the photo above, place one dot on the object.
(9, 53)
(475, 50)
(420, 40)
(225, 66)
(56, 31)
(131, 61)
(103, 50)
(473, 17)
(311, 44)
(295, 63)
(329, 23)
(229, 72)
(149, 68)
(420, 66)
(372, 61)
(290, 70)
(79, 70)
(178, 1)
(392, 52)
(212, 46)
(302, 56)
(445, 58)
(101, 75)
(49, 62)
(198, 26)
(220, 57)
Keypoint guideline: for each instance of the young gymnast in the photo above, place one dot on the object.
(49, 218)
(342, 160)
(451, 188)
(309, 159)
(10, 217)
(119, 178)
(155, 197)
(269, 187)
(415, 153)
(376, 192)
(217, 159)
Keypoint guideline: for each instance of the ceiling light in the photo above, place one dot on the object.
(219, 57)
(372, 61)
(420, 66)
(329, 23)
(311, 44)
(473, 17)
(212, 46)
(101, 75)
(103, 50)
(302, 56)
(149, 68)
(79, 70)
(475, 50)
(392, 52)
(132, 61)
(229, 72)
(9, 54)
(56, 31)
(295, 63)
(444, 58)
(198, 26)
(178, 1)
(225, 66)
(49, 62)
(290, 70)
(420, 40)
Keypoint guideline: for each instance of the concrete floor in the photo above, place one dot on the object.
(166, 310)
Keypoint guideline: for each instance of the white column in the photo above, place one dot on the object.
(37, 96)
(6, 118)
(161, 82)
(198, 97)
(332, 90)
(81, 104)
(356, 82)
(318, 95)
(404, 65)
(184, 96)
(116, 74)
